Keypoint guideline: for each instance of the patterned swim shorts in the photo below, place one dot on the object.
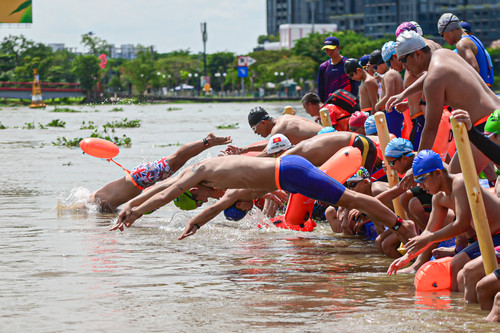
(149, 173)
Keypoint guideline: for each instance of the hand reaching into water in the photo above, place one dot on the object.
(126, 218)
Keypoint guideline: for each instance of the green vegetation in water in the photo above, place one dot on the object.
(2, 126)
(91, 125)
(115, 109)
(123, 124)
(57, 109)
(56, 123)
(172, 108)
(228, 126)
(29, 125)
(119, 141)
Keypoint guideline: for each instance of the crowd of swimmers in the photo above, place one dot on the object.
(419, 86)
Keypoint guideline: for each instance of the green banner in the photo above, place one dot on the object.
(15, 11)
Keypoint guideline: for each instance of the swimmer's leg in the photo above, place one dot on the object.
(457, 264)
(113, 194)
(377, 211)
(487, 288)
(468, 278)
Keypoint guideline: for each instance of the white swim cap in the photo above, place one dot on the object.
(408, 42)
(277, 143)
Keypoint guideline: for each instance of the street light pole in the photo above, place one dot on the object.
(204, 37)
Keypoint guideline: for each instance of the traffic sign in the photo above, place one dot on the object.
(251, 61)
(242, 71)
(242, 61)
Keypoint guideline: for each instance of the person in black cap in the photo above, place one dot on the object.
(331, 75)
(295, 128)
(368, 90)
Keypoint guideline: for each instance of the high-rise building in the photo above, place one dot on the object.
(377, 18)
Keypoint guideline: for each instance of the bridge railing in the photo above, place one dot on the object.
(45, 86)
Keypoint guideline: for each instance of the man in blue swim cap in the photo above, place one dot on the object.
(449, 193)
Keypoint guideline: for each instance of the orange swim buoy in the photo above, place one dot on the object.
(434, 275)
(442, 141)
(99, 148)
(307, 226)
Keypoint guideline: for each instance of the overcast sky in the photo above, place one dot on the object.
(232, 25)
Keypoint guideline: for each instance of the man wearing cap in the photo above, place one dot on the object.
(448, 193)
(368, 90)
(416, 102)
(443, 84)
(289, 173)
(295, 128)
(392, 84)
(331, 75)
(468, 46)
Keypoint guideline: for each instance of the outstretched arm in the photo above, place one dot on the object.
(190, 150)
(185, 181)
(229, 198)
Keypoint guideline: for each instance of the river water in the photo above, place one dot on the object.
(63, 271)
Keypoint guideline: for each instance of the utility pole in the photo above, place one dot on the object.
(204, 37)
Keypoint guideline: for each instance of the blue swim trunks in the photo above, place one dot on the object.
(149, 173)
(298, 175)
(473, 250)
(394, 122)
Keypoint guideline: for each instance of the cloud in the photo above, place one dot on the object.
(167, 24)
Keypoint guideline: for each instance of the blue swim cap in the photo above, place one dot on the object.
(234, 214)
(426, 161)
(370, 127)
(398, 147)
(388, 50)
(327, 129)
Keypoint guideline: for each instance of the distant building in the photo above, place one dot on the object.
(377, 18)
(289, 33)
(56, 46)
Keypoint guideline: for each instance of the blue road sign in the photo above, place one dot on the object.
(242, 71)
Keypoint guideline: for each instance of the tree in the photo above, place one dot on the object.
(140, 71)
(86, 68)
(267, 38)
(94, 44)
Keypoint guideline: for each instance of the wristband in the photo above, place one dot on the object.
(398, 224)
(205, 142)
(197, 226)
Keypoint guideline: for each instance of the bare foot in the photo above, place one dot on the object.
(214, 140)
(442, 252)
(494, 315)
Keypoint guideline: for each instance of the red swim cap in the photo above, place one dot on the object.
(357, 119)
